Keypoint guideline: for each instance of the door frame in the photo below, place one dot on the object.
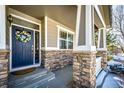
(34, 30)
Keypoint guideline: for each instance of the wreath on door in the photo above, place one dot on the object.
(23, 36)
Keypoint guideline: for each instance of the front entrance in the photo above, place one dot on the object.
(25, 48)
(22, 47)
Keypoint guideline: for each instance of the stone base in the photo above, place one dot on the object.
(53, 60)
(3, 69)
(103, 54)
(84, 70)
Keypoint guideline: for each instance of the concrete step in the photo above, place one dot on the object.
(16, 79)
(39, 82)
(100, 78)
(34, 79)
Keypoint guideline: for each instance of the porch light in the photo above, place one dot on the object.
(10, 19)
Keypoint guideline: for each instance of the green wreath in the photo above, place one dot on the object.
(23, 36)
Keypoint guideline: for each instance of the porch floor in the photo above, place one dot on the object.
(41, 78)
(63, 78)
(30, 80)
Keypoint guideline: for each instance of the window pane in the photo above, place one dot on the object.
(63, 44)
(70, 45)
(63, 35)
(70, 37)
(36, 47)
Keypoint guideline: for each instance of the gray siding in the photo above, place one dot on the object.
(101, 39)
(52, 34)
(81, 39)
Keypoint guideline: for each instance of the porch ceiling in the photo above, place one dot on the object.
(65, 14)
(106, 15)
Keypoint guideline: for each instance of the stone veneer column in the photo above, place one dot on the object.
(103, 54)
(84, 69)
(84, 52)
(3, 68)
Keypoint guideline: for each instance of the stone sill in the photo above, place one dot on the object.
(101, 50)
(3, 60)
(59, 50)
(86, 52)
(4, 51)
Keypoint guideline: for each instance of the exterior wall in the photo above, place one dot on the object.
(103, 54)
(52, 32)
(3, 68)
(84, 74)
(53, 60)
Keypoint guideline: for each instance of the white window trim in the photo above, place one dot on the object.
(68, 32)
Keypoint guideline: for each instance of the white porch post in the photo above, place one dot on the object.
(102, 48)
(84, 50)
(2, 27)
(102, 39)
(3, 53)
(89, 29)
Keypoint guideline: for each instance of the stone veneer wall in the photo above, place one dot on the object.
(84, 69)
(3, 69)
(103, 54)
(55, 59)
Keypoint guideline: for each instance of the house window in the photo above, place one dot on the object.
(65, 39)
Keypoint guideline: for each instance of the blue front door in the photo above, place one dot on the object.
(22, 47)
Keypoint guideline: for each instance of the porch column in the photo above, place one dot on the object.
(3, 51)
(84, 49)
(101, 48)
(2, 27)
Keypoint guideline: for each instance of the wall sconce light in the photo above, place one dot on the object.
(10, 19)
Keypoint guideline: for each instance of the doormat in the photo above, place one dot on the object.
(22, 72)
